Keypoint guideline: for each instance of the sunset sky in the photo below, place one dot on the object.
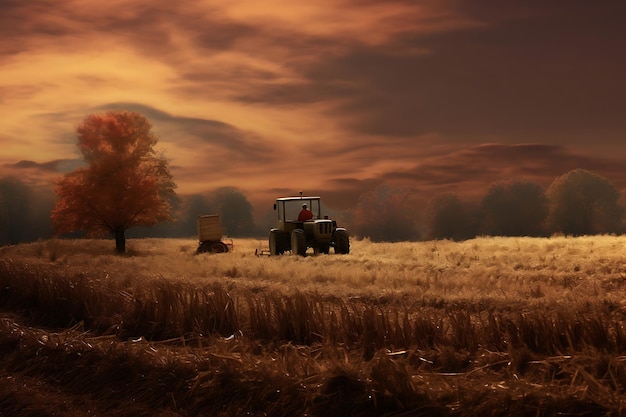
(332, 97)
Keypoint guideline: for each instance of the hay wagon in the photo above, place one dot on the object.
(210, 235)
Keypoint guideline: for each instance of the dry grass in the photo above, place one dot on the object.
(496, 326)
(499, 269)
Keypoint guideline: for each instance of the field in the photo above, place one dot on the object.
(485, 327)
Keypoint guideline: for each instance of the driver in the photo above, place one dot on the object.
(305, 214)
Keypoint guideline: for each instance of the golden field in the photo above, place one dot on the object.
(489, 326)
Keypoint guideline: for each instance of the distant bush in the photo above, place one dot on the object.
(448, 217)
(386, 215)
(584, 203)
(514, 208)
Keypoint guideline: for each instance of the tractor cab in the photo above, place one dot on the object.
(288, 210)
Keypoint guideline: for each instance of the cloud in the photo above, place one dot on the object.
(332, 95)
(200, 130)
(57, 166)
(493, 78)
(344, 193)
(39, 174)
(472, 170)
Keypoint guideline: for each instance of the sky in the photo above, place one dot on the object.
(328, 97)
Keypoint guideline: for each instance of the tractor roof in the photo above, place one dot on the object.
(297, 198)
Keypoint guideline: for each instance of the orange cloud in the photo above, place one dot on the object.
(472, 170)
(332, 96)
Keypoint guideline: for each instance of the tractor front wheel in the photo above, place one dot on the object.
(298, 242)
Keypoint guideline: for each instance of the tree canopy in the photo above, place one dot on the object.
(386, 214)
(235, 212)
(583, 202)
(514, 208)
(448, 217)
(15, 203)
(126, 182)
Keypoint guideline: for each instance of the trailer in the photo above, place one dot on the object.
(210, 235)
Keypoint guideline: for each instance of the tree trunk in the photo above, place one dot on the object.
(120, 241)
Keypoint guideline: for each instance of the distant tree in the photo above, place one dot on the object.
(622, 204)
(15, 209)
(235, 212)
(385, 215)
(448, 217)
(193, 206)
(125, 184)
(583, 202)
(40, 224)
(514, 208)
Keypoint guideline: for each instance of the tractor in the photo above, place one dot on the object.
(319, 233)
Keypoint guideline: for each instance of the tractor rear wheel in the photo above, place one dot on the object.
(342, 241)
(298, 242)
(275, 243)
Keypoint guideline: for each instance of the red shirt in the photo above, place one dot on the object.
(305, 215)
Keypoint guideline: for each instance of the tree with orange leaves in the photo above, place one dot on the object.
(125, 184)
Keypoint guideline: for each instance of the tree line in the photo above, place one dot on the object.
(25, 214)
(579, 202)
